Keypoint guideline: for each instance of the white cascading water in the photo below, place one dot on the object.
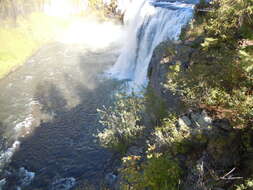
(148, 24)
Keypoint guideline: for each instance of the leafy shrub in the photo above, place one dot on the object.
(220, 78)
(159, 171)
(247, 185)
(122, 122)
(219, 87)
(228, 31)
(171, 138)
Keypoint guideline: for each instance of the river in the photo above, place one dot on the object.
(49, 106)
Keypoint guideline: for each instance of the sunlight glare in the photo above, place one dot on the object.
(64, 8)
(92, 34)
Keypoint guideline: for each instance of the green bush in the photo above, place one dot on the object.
(220, 76)
(171, 138)
(122, 122)
(247, 185)
(230, 21)
(159, 171)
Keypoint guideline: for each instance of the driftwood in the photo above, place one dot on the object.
(245, 43)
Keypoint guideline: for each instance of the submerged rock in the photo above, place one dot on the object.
(2, 183)
(25, 177)
(63, 184)
(110, 179)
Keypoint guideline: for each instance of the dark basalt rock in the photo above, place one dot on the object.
(166, 54)
(213, 145)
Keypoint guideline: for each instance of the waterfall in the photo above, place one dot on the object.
(148, 23)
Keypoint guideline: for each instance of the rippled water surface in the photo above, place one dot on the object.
(49, 107)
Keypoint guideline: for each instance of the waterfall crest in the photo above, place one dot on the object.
(148, 23)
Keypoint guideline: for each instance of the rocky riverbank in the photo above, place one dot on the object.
(203, 140)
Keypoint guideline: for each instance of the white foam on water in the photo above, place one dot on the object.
(5, 156)
(20, 129)
(25, 125)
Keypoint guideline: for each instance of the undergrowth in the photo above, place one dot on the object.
(159, 171)
(122, 122)
(219, 78)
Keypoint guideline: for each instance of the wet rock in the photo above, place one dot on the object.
(25, 177)
(134, 150)
(2, 183)
(110, 179)
(63, 184)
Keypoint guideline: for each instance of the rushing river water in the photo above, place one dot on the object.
(48, 117)
(50, 104)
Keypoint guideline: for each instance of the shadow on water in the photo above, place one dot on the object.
(64, 145)
(3, 139)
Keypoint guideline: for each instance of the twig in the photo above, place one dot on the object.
(228, 173)
(204, 10)
(227, 177)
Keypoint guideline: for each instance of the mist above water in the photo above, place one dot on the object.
(92, 34)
